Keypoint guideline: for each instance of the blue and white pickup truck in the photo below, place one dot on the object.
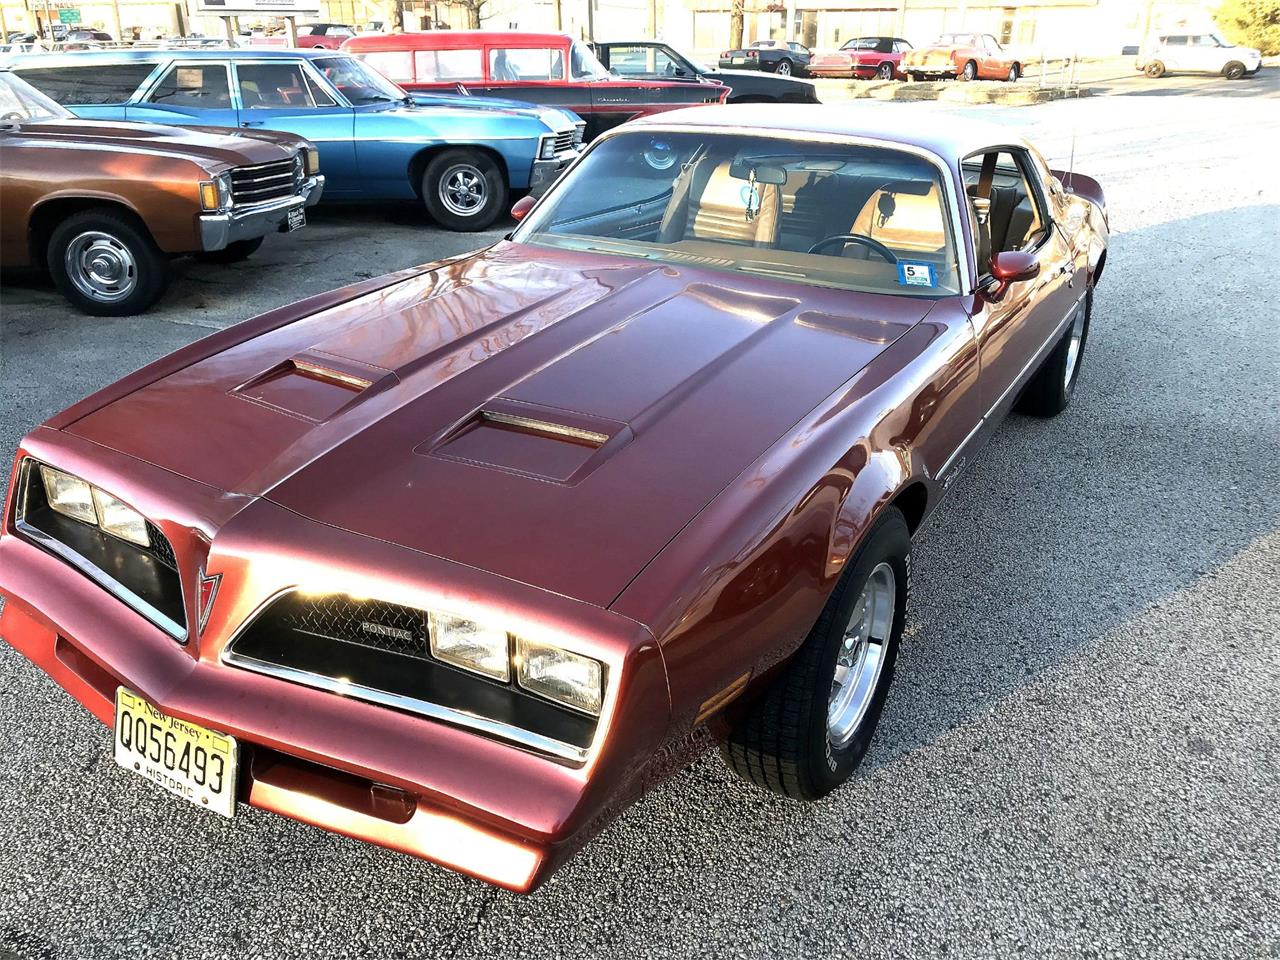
(460, 156)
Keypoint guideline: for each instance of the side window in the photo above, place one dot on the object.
(1007, 212)
(448, 65)
(632, 61)
(539, 63)
(276, 84)
(199, 85)
(98, 84)
(1176, 41)
(395, 65)
(901, 46)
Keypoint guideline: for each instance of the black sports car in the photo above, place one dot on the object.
(653, 60)
(785, 57)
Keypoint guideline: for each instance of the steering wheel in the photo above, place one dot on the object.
(870, 242)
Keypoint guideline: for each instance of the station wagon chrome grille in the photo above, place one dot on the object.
(263, 183)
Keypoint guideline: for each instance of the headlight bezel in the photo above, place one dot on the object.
(52, 476)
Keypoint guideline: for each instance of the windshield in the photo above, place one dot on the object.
(1221, 41)
(583, 64)
(840, 215)
(957, 40)
(20, 102)
(357, 82)
(697, 65)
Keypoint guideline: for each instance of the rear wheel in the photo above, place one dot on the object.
(783, 68)
(1049, 392)
(885, 71)
(106, 264)
(464, 189)
(1233, 71)
(970, 71)
(810, 729)
(1014, 73)
(1154, 70)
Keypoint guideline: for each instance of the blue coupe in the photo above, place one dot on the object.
(461, 156)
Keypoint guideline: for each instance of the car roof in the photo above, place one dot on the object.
(448, 39)
(949, 137)
(183, 53)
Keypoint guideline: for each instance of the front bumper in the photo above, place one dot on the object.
(547, 172)
(469, 802)
(218, 230)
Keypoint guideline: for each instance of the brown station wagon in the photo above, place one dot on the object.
(105, 205)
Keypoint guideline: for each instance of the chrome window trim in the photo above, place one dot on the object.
(516, 736)
(95, 573)
(964, 254)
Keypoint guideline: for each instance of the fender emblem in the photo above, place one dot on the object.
(204, 600)
(953, 473)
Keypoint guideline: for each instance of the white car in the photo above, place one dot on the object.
(1198, 53)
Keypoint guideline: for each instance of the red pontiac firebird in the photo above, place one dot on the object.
(462, 559)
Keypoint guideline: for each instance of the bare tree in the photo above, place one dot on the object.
(736, 16)
(474, 10)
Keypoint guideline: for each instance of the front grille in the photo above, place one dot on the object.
(366, 623)
(263, 183)
(564, 141)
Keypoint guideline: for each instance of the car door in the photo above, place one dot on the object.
(1015, 329)
(188, 92)
(992, 66)
(278, 94)
(1173, 52)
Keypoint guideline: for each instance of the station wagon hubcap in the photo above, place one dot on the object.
(463, 189)
(861, 656)
(1073, 350)
(101, 267)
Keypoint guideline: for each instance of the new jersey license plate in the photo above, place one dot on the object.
(297, 218)
(189, 760)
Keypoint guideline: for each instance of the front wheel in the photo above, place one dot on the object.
(1014, 73)
(783, 68)
(1154, 70)
(464, 190)
(885, 71)
(810, 729)
(1233, 71)
(970, 71)
(106, 264)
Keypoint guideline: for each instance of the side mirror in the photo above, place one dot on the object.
(521, 208)
(1009, 267)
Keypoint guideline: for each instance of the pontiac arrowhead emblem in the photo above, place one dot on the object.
(204, 602)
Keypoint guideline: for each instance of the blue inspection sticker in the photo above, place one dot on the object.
(912, 274)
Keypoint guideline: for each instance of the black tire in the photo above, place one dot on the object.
(1014, 73)
(124, 245)
(970, 71)
(1233, 70)
(782, 742)
(885, 71)
(783, 67)
(232, 252)
(467, 164)
(1050, 389)
(1154, 69)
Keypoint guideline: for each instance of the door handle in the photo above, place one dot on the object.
(252, 123)
(1068, 270)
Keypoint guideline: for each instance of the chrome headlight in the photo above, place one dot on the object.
(567, 678)
(470, 645)
(74, 498)
(215, 194)
(547, 148)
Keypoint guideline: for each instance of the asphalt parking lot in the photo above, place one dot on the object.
(1081, 754)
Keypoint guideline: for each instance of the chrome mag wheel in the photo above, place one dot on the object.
(101, 267)
(784, 68)
(1073, 350)
(861, 656)
(463, 189)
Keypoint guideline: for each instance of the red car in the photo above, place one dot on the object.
(321, 36)
(863, 58)
(546, 68)
(463, 559)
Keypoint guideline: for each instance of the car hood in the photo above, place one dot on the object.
(488, 106)
(553, 418)
(755, 77)
(210, 144)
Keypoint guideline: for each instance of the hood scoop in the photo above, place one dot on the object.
(531, 440)
(313, 385)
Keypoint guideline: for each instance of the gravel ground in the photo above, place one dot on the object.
(1081, 756)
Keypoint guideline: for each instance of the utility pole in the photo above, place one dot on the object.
(591, 20)
(559, 16)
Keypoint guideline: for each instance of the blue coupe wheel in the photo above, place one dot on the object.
(464, 189)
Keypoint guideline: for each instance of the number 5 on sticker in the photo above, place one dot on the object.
(913, 274)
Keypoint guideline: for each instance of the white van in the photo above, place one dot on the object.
(1197, 53)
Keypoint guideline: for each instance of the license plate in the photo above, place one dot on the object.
(739, 59)
(297, 218)
(197, 764)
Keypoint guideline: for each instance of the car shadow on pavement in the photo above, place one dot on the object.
(1265, 83)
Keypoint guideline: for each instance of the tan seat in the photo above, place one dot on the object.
(707, 203)
(915, 222)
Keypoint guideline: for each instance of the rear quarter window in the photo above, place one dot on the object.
(102, 83)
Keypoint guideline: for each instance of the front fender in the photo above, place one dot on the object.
(403, 136)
